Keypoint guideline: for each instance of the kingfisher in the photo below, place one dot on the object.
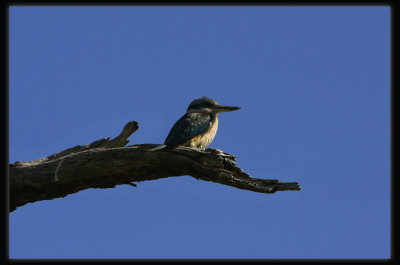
(197, 128)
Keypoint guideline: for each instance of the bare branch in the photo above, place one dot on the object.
(105, 164)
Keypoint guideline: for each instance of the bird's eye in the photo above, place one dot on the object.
(209, 105)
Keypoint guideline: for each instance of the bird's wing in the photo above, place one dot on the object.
(187, 127)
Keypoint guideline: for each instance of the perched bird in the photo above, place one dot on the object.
(197, 128)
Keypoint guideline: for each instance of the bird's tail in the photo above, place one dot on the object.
(158, 147)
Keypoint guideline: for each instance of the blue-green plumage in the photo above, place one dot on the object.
(197, 128)
(188, 127)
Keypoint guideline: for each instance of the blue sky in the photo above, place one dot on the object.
(314, 87)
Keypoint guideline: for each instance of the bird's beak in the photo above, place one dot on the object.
(223, 108)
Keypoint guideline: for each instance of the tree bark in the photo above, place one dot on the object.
(106, 163)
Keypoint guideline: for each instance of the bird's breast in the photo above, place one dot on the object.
(205, 139)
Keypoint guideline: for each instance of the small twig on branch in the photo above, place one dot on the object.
(106, 163)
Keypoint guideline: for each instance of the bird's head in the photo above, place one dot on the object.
(206, 104)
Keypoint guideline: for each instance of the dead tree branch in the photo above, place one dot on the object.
(106, 163)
